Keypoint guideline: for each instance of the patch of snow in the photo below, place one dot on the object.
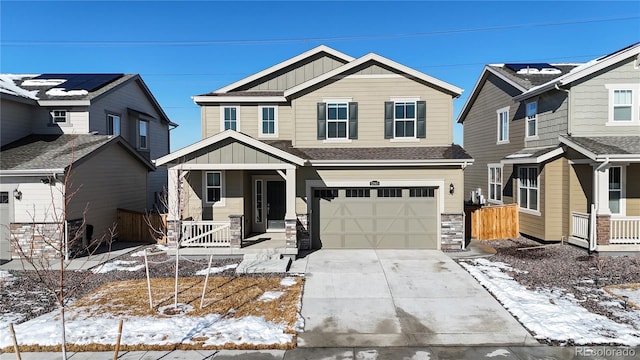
(633, 294)
(420, 355)
(499, 352)
(270, 295)
(7, 86)
(215, 270)
(6, 277)
(367, 355)
(10, 318)
(150, 250)
(288, 281)
(551, 314)
(210, 329)
(43, 82)
(65, 92)
(515, 156)
(120, 265)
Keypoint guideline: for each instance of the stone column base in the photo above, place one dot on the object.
(291, 233)
(451, 232)
(236, 230)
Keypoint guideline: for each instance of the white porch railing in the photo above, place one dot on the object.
(206, 234)
(580, 225)
(625, 230)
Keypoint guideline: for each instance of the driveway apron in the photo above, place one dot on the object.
(399, 298)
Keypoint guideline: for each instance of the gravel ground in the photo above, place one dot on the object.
(24, 296)
(569, 268)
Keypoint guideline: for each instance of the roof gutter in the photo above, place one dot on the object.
(31, 172)
(445, 162)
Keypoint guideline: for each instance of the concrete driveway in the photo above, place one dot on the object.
(399, 298)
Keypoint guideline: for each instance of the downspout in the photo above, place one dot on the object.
(596, 195)
(568, 107)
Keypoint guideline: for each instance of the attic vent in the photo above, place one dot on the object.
(534, 68)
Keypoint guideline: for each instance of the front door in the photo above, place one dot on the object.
(276, 204)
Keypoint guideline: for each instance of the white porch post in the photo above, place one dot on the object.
(291, 193)
(601, 190)
(173, 200)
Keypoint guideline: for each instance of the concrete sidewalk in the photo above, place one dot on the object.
(399, 298)
(372, 353)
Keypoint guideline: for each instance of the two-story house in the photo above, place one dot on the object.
(97, 130)
(332, 151)
(563, 142)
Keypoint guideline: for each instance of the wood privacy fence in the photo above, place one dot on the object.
(136, 226)
(492, 222)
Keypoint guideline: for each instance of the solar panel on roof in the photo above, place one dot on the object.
(538, 66)
(89, 82)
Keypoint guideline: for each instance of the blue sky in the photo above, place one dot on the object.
(183, 48)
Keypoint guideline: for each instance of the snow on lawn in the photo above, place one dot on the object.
(210, 330)
(5, 278)
(632, 292)
(121, 265)
(150, 251)
(270, 295)
(215, 270)
(551, 314)
(288, 281)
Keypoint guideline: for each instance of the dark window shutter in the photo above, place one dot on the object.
(322, 121)
(388, 119)
(353, 120)
(421, 116)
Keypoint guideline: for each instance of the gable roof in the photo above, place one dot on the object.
(602, 148)
(284, 64)
(584, 70)
(229, 134)
(519, 80)
(55, 153)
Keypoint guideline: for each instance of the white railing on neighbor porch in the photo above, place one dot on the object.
(625, 230)
(206, 234)
(580, 225)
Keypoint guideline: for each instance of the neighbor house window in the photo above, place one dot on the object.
(268, 120)
(532, 119)
(615, 189)
(404, 119)
(622, 105)
(213, 186)
(503, 125)
(230, 118)
(528, 188)
(495, 183)
(113, 124)
(59, 116)
(337, 120)
(4, 197)
(143, 134)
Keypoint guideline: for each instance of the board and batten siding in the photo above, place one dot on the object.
(552, 118)
(16, 120)
(106, 181)
(231, 152)
(590, 101)
(371, 93)
(481, 136)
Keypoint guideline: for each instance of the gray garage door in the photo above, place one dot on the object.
(382, 218)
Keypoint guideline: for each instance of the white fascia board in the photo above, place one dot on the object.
(204, 99)
(374, 57)
(476, 88)
(64, 102)
(31, 172)
(225, 135)
(538, 160)
(578, 148)
(443, 162)
(283, 166)
(284, 64)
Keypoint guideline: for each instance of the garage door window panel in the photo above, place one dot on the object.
(358, 193)
(422, 192)
(389, 192)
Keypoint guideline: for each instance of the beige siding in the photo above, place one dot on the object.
(15, 120)
(230, 152)
(556, 210)
(40, 202)
(77, 122)
(530, 224)
(370, 94)
(633, 190)
(580, 187)
(481, 135)
(232, 202)
(108, 180)
(590, 101)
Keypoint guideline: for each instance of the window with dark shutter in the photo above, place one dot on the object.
(388, 119)
(353, 120)
(322, 121)
(421, 119)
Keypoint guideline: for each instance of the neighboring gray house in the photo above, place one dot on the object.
(543, 134)
(105, 126)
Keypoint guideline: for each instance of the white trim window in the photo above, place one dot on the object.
(531, 118)
(495, 183)
(229, 118)
(624, 104)
(213, 187)
(404, 119)
(268, 120)
(143, 134)
(59, 116)
(113, 124)
(338, 120)
(503, 125)
(616, 196)
(528, 190)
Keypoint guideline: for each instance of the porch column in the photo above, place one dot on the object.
(290, 218)
(601, 190)
(173, 207)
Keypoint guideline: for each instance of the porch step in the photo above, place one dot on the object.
(264, 262)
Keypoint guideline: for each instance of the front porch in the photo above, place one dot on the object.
(608, 234)
(270, 243)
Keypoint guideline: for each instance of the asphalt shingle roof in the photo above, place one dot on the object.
(530, 80)
(609, 145)
(49, 151)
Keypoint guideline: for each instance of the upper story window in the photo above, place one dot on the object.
(528, 188)
(503, 125)
(59, 116)
(624, 104)
(495, 182)
(268, 120)
(113, 124)
(532, 119)
(230, 118)
(143, 134)
(404, 119)
(337, 120)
